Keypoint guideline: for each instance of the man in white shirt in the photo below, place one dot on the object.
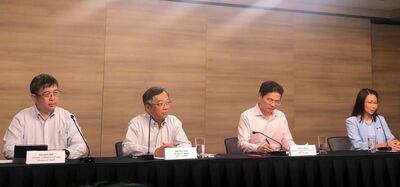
(165, 130)
(44, 122)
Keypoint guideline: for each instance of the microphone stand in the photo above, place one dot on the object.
(280, 152)
(88, 158)
(148, 156)
(387, 147)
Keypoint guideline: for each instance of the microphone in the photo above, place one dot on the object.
(88, 158)
(280, 152)
(148, 156)
(386, 148)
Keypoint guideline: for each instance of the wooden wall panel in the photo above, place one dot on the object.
(144, 49)
(386, 72)
(212, 59)
(244, 48)
(63, 38)
(322, 61)
(332, 62)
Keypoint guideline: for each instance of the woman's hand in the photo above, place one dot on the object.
(394, 144)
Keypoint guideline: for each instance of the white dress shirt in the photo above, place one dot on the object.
(170, 131)
(58, 132)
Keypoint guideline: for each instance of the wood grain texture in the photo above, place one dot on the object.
(244, 48)
(63, 38)
(146, 49)
(386, 72)
(212, 60)
(332, 62)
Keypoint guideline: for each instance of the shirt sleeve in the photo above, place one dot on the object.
(244, 133)
(131, 144)
(386, 129)
(75, 144)
(287, 139)
(181, 139)
(13, 136)
(354, 134)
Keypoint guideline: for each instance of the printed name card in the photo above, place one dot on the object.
(45, 157)
(180, 153)
(302, 150)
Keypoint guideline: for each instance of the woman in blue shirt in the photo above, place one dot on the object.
(365, 122)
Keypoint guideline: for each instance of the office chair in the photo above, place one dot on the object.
(118, 149)
(231, 145)
(339, 143)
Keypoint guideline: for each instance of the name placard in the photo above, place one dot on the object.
(45, 157)
(302, 150)
(180, 153)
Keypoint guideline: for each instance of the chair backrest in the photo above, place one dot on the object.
(339, 143)
(231, 146)
(118, 149)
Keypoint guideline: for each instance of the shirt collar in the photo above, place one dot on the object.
(359, 117)
(258, 112)
(153, 122)
(39, 115)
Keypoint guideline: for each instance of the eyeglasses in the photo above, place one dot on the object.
(271, 101)
(47, 95)
(161, 104)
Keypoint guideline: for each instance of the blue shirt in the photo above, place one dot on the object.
(357, 131)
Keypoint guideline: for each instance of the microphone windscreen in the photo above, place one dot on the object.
(384, 148)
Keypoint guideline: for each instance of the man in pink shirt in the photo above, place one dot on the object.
(265, 118)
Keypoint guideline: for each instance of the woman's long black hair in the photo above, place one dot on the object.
(358, 108)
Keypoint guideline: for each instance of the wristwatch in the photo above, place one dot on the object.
(66, 153)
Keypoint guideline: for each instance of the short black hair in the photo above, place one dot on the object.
(42, 81)
(359, 105)
(270, 86)
(151, 92)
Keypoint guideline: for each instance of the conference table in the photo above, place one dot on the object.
(239, 170)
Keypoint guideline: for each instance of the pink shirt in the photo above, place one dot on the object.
(275, 127)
